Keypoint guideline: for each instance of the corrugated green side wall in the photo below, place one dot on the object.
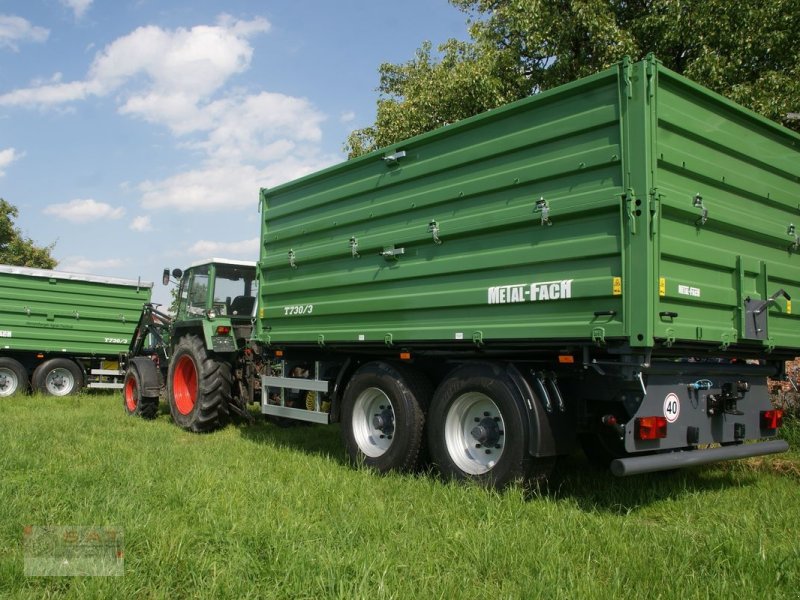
(67, 314)
(617, 159)
(480, 181)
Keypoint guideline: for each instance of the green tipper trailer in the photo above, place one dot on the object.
(60, 331)
(609, 263)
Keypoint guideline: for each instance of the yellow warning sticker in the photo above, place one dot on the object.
(662, 286)
(616, 286)
(788, 307)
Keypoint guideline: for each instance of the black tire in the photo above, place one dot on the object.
(58, 377)
(478, 429)
(198, 387)
(383, 416)
(133, 401)
(13, 377)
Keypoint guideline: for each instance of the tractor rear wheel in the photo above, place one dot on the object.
(198, 386)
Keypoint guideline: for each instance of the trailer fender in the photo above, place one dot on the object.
(349, 367)
(149, 376)
(551, 430)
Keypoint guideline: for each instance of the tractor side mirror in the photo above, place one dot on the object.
(177, 273)
(165, 277)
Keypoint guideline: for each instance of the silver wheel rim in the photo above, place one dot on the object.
(59, 382)
(8, 382)
(474, 433)
(373, 422)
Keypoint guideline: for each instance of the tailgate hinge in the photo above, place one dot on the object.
(599, 336)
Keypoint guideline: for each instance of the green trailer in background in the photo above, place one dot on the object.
(62, 331)
(608, 264)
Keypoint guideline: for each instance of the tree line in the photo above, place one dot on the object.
(748, 51)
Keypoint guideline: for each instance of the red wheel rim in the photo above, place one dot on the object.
(130, 394)
(184, 385)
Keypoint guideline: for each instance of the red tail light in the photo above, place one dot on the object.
(650, 428)
(223, 330)
(771, 419)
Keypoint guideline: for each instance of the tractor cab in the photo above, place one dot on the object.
(218, 296)
(217, 288)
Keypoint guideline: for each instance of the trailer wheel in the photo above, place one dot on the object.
(478, 429)
(132, 399)
(383, 416)
(58, 377)
(199, 387)
(13, 377)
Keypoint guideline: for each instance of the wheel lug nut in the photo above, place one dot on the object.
(488, 451)
(477, 445)
(497, 447)
(497, 419)
(485, 414)
(477, 419)
(382, 436)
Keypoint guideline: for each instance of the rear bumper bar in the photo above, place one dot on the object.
(635, 465)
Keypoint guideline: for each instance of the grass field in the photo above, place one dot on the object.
(264, 512)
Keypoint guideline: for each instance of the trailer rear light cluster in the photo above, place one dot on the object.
(650, 428)
(771, 419)
(223, 330)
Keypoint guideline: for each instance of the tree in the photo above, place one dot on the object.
(749, 52)
(17, 249)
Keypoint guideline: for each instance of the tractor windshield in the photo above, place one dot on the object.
(235, 290)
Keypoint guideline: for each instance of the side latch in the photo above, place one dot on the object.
(697, 202)
(791, 231)
(544, 208)
(433, 229)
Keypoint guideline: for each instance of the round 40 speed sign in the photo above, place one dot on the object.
(672, 407)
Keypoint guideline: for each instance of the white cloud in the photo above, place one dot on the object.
(224, 187)
(78, 7)
(16, 29)
(190, 62)
(81, 264)
(142, 224)
(259, 127)
(247, 249)
(83, 211)
(347, 117)
(8, 156)
(175, 78)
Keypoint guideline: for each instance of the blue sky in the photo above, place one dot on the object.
(136, 133)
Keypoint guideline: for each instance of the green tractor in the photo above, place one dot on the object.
(199, 356)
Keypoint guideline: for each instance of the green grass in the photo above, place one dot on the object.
(263, 512)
